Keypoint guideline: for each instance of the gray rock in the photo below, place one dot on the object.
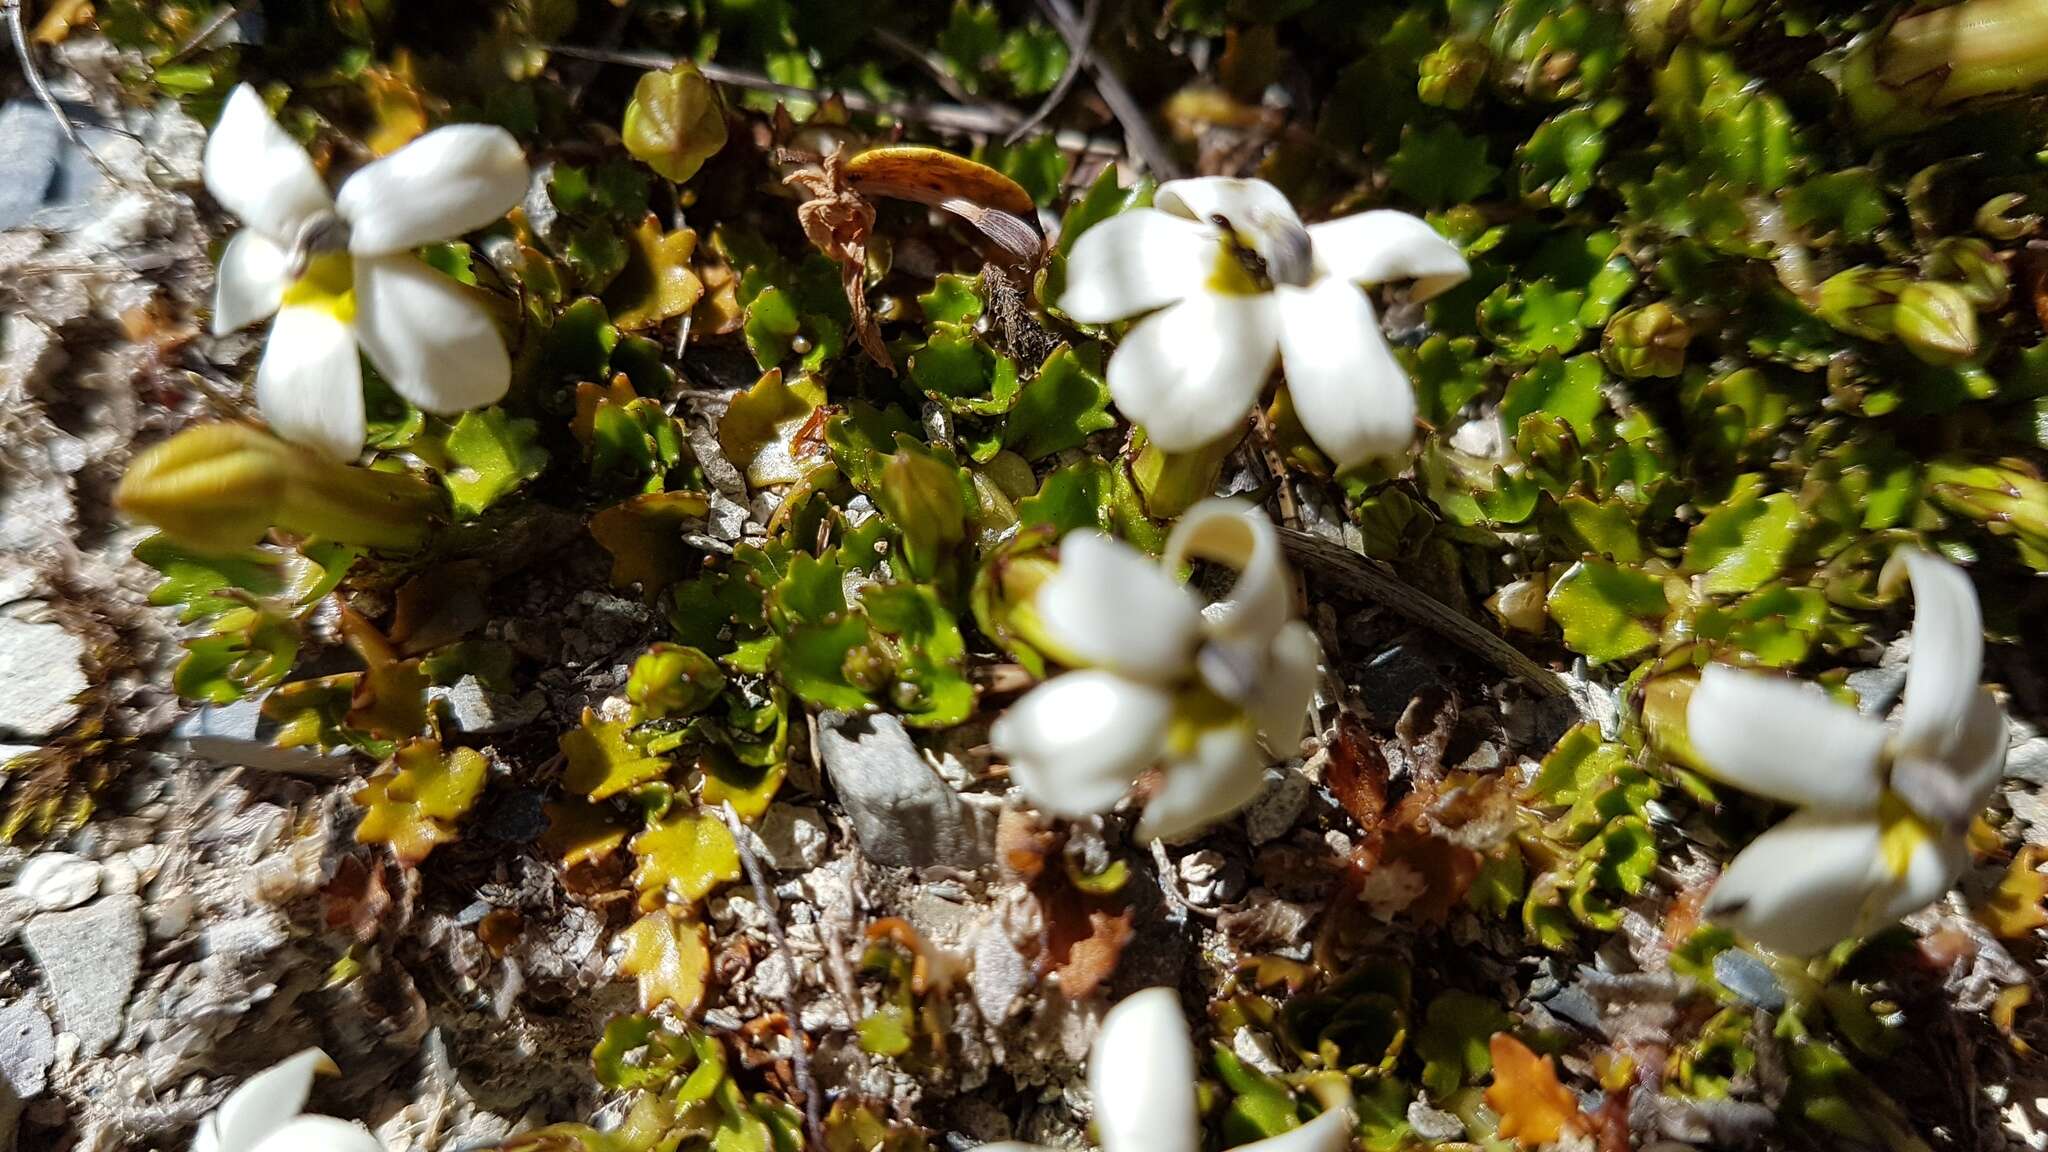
(30, 143)
(728, 519)
(1001, 972)
(1750, 979)
(791, 838)
(1877, 689)
(240, 735)
(1393, 678)
(903, 813)
(478, 711)
(41, 674)
(54, 881)
(89, 959)
(27, 1046)
(1433, 1124)
(1279, 807)
(2028, 760)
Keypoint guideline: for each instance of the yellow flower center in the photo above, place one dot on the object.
(1197, 711)
(1903, 831)
(329, 283)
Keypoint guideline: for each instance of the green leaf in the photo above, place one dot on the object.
(1608, 612)
(1539, 318)
(1448, 373)
(954, 299)
(862, 439)
(972, 34)
(1092, 494)
(484, 456)
(1440, 166)
(931, 688)
(1260, 1105)
(1744, 544)
(1556, 164)
(1729, 121)
(1032, 59)
(603, 760)
(1061, 406)
(202, 583)
(1568, 390)
(1453, 1041)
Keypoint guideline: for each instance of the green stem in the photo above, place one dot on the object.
(1984, 48)
(1173, 482)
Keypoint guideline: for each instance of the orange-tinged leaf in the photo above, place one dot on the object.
(414, 802)
(683, 856)
(657, 282)
(929, 175)
(580, 832)
(603, 760)
(645, 537)
(2020, 905)
(667, 954)
(590, 396)
(1533, 1107)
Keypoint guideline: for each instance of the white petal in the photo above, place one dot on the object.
(1288, 688)
(1786, 740)
(1382, 245)
(1330, 1132)
(1802, 886)
(1076, 742)
(1948, 654)
(310, 383)
(450, 181)
(1950, 792)
(1136, 262)
(258, 172)
(1191, 373)
(250, 283)
(1224, 772)
(1141, 1074)
(320, 1134)
(1247, 204)
(1111, 606)
(264, 1103)
(1237, 535)
(1350, 392)
(429, 336)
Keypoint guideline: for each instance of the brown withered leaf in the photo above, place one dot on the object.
(390, 698)
(1357, 773)
(440, 606)
(356, 898)
(1423, 734)
(1084, 933)
(838, 220)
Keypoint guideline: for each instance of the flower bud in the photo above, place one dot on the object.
(216, 487)
(1971, 265)
(1646, 341)
(2009, 498)
(675, 121)
(1860, 301)
(222, 486)
(922, 495)
(1451, 74)
(1936, 323)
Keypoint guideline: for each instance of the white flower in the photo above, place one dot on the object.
(339, 272)
(263, 1115)
(1883, 815)
(1142, 1076)
(1162, 679)
(1190, 372)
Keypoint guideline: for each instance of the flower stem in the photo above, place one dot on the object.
(1172, 482)
(1984, 47)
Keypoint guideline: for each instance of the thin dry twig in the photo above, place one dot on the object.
(1076, 59)
(984, 120)
(1368, 577)
(930, 64)
(41, 88)
(800, 1058)
(1144, 143)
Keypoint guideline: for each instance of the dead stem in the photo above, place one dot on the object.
(973, 120)
(800, 1057)
(1368, 577)
(1144, 143)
